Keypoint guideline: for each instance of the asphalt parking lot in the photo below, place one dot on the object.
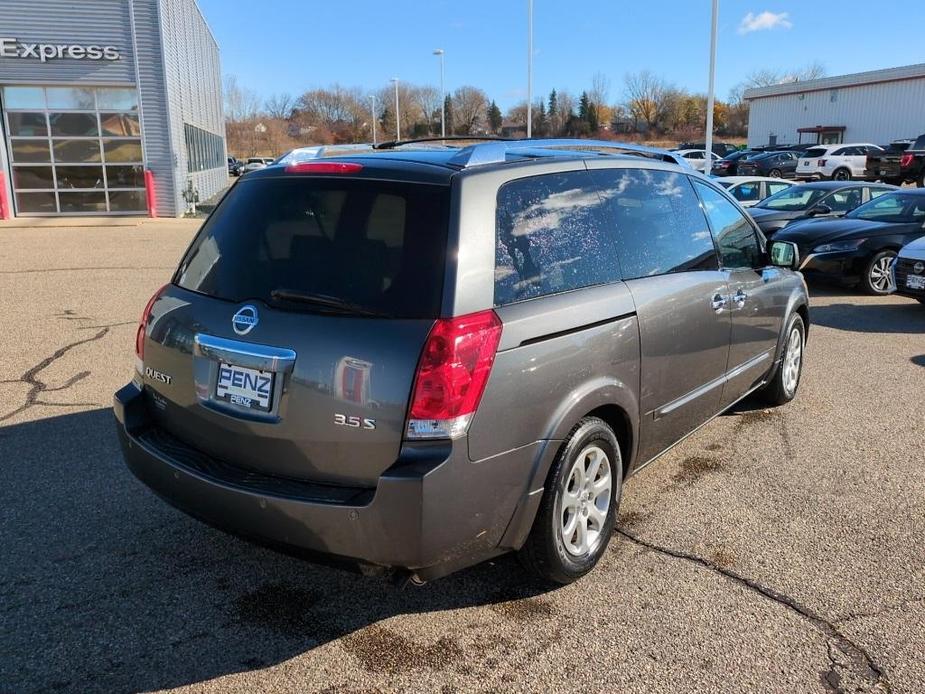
(773, 551)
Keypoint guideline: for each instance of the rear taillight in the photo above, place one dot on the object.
(906, 160)
(324, 167)
(142, 327)
(452, 374)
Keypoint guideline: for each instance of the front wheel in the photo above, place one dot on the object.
(878, 274)
(775, 173)
(782, 388)
(579, 507)
(841, 175)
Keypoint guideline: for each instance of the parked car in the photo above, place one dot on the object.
(234, 167)
(817, 199)
(750, 190)
(773, 164)
(836, 162)
(860, 247)
(426, 360)
(697, 158)
(722, 149)
(909, 270)
(255, 164)
(902, 162)
(729, 165)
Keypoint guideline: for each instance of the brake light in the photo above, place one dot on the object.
(906, 160)
(820, 162)
(324, 167)
(142, 327)
(451, 375)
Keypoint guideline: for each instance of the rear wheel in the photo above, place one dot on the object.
(841, 175)
(920, 181)
(783, 386)
(775, 173)
(579, 507)
(878, 275)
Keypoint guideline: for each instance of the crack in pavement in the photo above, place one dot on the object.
(902, 604)
(854, 657)
(37, 386)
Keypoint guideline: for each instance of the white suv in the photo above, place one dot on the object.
(838, 162)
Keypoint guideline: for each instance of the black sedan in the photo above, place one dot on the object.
(819, 199)
(860, 247)
(781, 164)
(729, 165)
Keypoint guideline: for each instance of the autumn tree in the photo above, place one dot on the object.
(647, 97)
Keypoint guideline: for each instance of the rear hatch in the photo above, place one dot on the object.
(809, 161)
(289, 338)
(886, 163)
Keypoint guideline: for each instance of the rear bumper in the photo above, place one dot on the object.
(433, 512)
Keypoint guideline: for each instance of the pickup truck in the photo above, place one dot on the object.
(902, 162)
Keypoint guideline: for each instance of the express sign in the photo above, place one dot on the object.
(11, 48)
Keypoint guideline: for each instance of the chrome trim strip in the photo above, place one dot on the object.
(247, 354)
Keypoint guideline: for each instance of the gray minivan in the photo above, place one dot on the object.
(418, 359)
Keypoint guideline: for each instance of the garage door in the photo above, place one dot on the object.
(74, 150)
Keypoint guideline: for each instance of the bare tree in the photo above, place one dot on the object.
(469, 109)
(427, 101)
(648, 97)
(279, 106)
(600, 89)
(241, 103)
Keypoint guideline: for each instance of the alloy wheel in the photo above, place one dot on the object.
(793, 359)
(881, 275)
(585, 502)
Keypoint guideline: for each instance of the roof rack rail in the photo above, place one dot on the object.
(390, 144)
(496, 152)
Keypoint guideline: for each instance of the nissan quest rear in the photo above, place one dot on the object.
(418, 359)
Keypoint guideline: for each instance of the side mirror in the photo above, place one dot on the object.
(784, 254)
(819, 209)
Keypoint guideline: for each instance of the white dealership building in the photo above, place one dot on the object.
(877, 107)
(108, 107)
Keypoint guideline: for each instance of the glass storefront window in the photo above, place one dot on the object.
(127, 201)
(77, 151)
(120, 124)
(122, 150)
(28, 124)
(23, 97)
(36, 202)
(83, 202)
(25, 177)
(75, 98)
(79, 176)
(125, 176)
(117, 99)
(73, 124)
(29, 151)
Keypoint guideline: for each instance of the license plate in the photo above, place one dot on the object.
(915, 281)
(883, 172)
(250, 388)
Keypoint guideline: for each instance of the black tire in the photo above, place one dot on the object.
(779, 391)
(841, 175)
(920, 181)
(775, 173)
(872, 279)
(921, 301)
(544, 554)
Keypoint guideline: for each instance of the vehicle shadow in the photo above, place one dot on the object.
(907, 317)
(106, 588)
(918, 360)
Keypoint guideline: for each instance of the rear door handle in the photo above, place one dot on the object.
(718, 302)
(739, 298)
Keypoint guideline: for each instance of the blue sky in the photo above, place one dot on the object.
(293, 45)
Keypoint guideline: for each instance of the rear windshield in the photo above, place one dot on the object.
(813, 153)
(376, 245)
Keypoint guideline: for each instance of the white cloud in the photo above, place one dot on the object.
(764, 21)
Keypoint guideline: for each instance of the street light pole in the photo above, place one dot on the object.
(439, 51)
(372, 98)
(710, 89)
(530, 68)
(397, 114)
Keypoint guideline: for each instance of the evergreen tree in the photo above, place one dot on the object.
(541, 127)
(448, 109)
(584, 108)
(594, 123)
(494, 117)
(553, 114)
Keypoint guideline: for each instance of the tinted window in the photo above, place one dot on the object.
(660, 226)
(552, 236)
(747, 192)
(843, 200)
(815, 152)
(735, 237)
(379, 245)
